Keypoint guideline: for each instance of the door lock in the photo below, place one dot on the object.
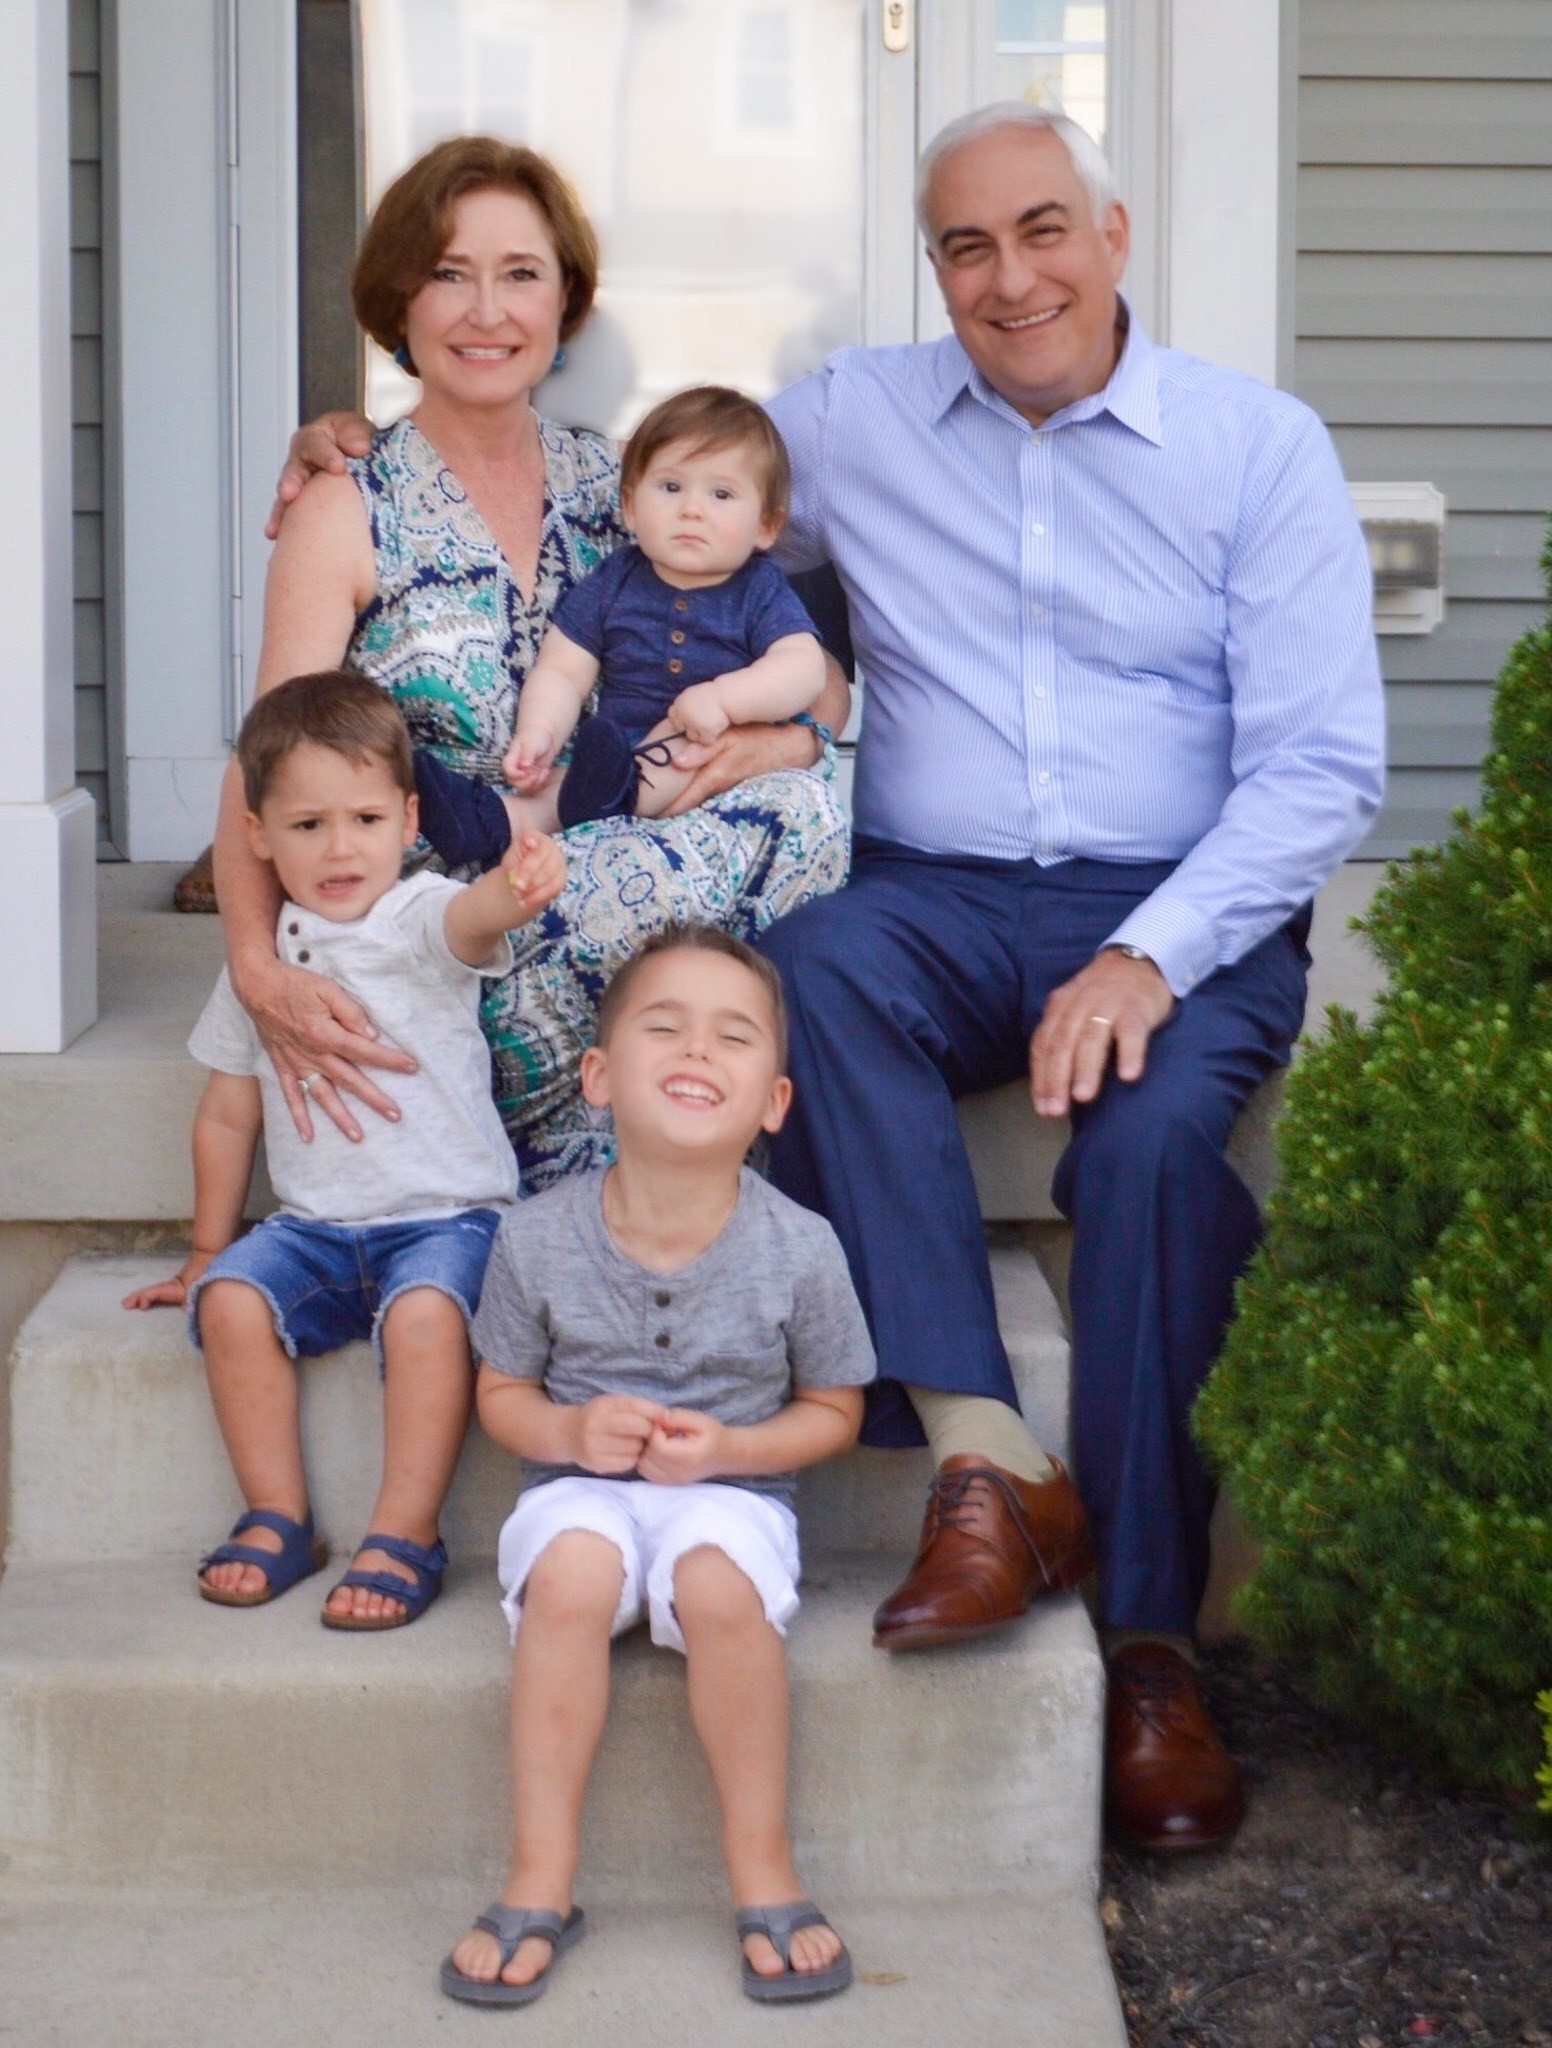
(897, 24)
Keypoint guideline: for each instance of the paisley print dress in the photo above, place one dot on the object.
(451, 636)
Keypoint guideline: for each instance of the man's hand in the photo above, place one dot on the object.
(535, 869)
(1114, 1001)
(321, 444)
(526, 764)
(313, 1030)
(683, 1447)
(612, 1432)
(699, 714)
(173, 1293)
(742, 752)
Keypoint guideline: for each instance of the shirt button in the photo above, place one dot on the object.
(681, 604)
(674, 667)
(1037, 529)
(293, 929)
(1037, 611)
(1040, 689)
(662, 1299)
(662, 1340)
(1044, 775)
(304, 954)
(677, 636)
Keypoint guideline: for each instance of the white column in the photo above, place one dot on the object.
(48, 880)
(1225, 103)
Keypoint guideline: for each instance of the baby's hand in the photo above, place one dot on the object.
(684, 1446)
(527, 762)
(612, 1431)
(536, 869)
(698, 713)
(173, 1293)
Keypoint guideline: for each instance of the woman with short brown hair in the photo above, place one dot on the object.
(432, 561)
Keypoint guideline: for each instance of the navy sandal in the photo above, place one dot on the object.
(512, 1925)
(301, 1553)
(416, 1595)
(778, 1924)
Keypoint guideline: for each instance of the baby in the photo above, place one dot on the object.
(687, 632)
(665, 1342)
(386, 1238)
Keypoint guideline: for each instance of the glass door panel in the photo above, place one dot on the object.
(1054, 54)
(718, 146)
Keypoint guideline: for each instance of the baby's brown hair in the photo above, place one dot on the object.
(337, 708)
(711, 416)
(697, 938)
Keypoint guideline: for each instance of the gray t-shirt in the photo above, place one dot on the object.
(447, 1151)
(766, 1309)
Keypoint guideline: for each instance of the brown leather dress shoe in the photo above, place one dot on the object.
(1170, 1785)
(990, 1544)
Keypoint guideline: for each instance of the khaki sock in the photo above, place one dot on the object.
(974, 1423)
(1123, 1638)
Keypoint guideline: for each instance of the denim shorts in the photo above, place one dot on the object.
(327, 1283)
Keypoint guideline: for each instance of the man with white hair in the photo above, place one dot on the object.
(1112, 610)
(1123, 718)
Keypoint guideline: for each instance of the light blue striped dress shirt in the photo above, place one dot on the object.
(1139, 632)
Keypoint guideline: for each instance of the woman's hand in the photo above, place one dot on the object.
(527, 763)
(315, 1033)
(173, 1293)
(742, 752)
(321, 444)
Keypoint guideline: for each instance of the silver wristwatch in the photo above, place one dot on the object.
(1131, 952)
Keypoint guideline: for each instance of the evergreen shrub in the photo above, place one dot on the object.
(1382, 1411)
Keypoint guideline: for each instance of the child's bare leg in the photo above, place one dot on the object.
(659, 786)
(560, 1696)
(253, 1388)
(738, 1702)
(426, 1397)
(533, 813)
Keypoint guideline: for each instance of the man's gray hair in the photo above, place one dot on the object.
(1088, 159)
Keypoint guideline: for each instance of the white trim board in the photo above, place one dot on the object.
(193, 477)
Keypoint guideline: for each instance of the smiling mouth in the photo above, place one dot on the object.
(692, 1094)
(1029, 320)
(339, 885)
(484, 355)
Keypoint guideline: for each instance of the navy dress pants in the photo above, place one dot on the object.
(923, 980)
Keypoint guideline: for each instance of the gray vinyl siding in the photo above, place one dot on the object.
(98, 767)
(1423, 332)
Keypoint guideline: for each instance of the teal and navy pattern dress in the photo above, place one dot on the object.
(451, 637)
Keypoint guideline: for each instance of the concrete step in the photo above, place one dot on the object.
(100, 1132)
(150, 1966)
(145, 1733)
(115, 1452)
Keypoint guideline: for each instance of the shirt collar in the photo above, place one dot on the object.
(1131, 396)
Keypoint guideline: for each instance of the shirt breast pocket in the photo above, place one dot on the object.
(743, 1387)
(1167, 640)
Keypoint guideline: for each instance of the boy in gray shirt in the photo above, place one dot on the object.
(665, 1344)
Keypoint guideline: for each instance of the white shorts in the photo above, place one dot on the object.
(652, 1527)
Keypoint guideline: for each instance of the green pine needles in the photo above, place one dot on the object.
(1382, 1411)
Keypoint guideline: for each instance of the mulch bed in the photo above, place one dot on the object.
(1360, 1907)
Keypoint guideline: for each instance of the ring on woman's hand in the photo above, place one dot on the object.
(308, 1082)
(1106, 1021)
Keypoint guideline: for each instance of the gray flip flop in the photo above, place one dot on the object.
(511, 1925)
(778, 1924)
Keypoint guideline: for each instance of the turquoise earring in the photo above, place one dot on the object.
(558, 359)
(403, 358)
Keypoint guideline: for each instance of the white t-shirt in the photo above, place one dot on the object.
(448, 1150)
